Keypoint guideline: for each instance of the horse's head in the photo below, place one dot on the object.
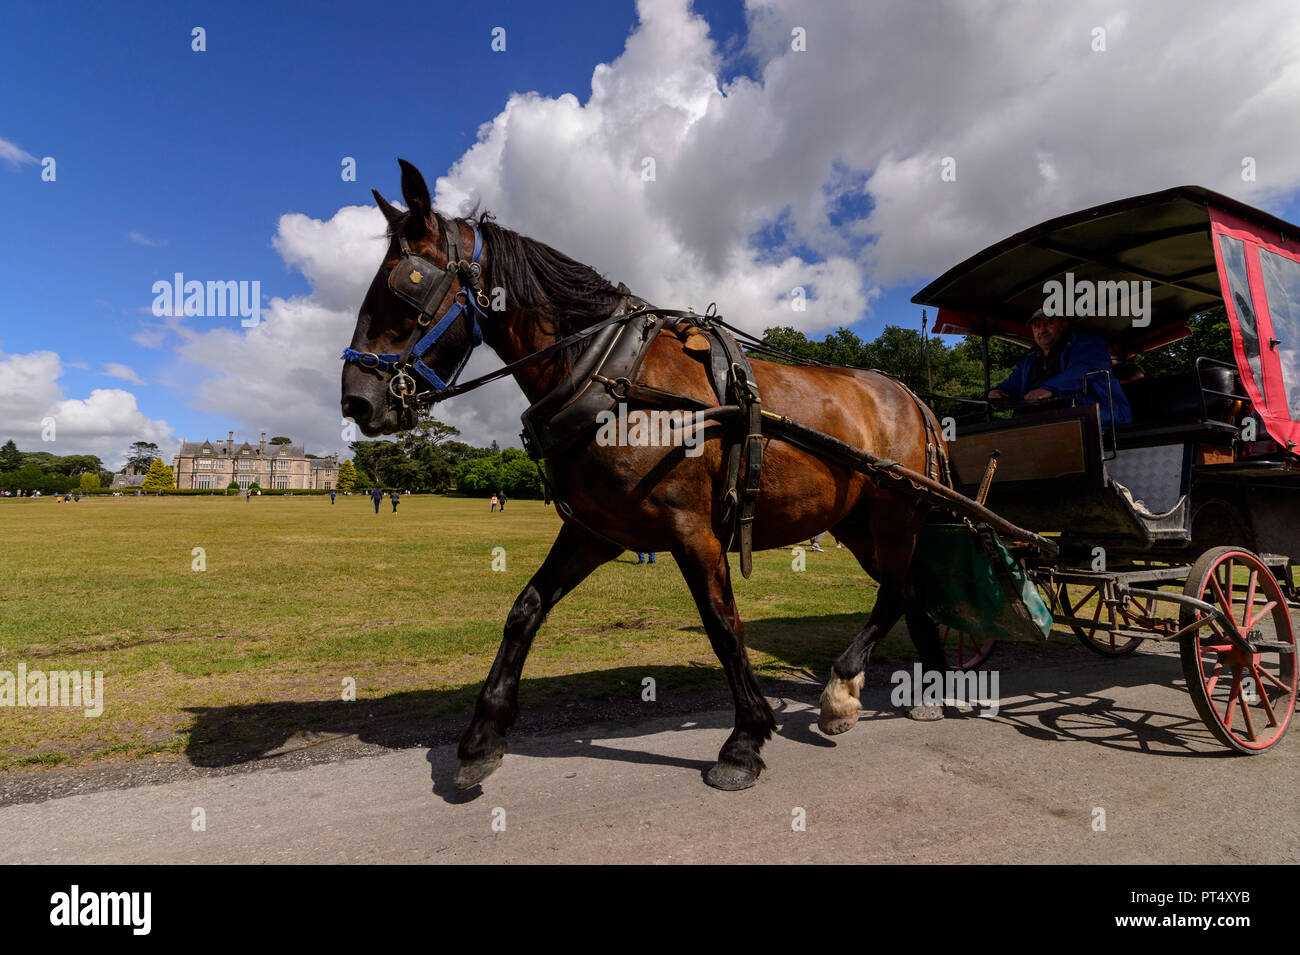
(418, 322)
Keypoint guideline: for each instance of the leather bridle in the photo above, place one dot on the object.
(421, 284)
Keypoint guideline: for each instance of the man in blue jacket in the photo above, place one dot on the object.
(1057, 366)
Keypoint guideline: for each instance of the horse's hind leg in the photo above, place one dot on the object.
(838, 708)
(573, 556)
(881, 535)
(929, 647)
(704, 565)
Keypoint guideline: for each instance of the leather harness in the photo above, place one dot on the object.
(607, 373)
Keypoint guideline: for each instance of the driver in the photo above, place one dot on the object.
(1056, 367)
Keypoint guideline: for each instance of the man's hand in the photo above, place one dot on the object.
(1038, 394)
(997, 393)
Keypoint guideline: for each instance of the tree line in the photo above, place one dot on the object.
(50, 473)
(429, 458)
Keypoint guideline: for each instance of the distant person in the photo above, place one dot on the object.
(395, 498)
(377, 495)
(331, 497)
(501, 496)
(494, 502)
(248, 496)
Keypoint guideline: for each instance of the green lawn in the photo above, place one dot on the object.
(299, 595)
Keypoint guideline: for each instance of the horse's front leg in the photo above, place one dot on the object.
(573, 556)
(704, 565)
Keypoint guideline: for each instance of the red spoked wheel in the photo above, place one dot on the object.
(1100, 640)
(964, 651)
(1245, 698)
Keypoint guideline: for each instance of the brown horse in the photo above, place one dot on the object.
(645, 498)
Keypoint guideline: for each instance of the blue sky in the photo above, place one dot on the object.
(170, 160)
(173, 160)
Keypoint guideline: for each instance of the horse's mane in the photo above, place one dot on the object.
(536, 276)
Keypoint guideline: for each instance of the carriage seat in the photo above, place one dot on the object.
(1169, 408)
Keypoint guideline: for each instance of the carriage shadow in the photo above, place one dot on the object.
(1084, 710)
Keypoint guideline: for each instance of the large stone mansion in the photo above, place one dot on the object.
(272, 466)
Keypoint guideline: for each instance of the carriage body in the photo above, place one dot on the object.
(1199, 496)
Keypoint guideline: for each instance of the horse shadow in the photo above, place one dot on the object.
(1080, 708)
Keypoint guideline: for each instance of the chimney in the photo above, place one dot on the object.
(230, 441)
(262, 446)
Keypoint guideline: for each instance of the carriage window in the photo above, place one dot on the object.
(1282, 288)
(1234, 264)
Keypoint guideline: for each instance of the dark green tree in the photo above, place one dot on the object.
(141, 454)
(11, 459)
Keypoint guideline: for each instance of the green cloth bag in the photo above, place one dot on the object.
(970, 582)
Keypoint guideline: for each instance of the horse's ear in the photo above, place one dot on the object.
(415, 191)
(391, 212)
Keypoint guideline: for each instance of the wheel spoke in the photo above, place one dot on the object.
(1213, 679)
(1218, 593)
(1245, 712)
(1250, 600)
(1267, 607)
(1275, 681)
(1263, 694)
(1232, 697)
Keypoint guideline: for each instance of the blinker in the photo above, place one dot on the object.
(407, 281)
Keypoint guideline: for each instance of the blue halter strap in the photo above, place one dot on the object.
(412, 281)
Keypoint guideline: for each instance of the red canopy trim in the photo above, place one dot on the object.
(1274, 411)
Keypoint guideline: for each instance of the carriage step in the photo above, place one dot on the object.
(1278, 645)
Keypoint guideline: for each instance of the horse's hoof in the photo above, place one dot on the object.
(469, 775)
(835, 725)
(839, 704)
(729, 777)
(925, 714)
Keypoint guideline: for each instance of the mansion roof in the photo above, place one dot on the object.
(220, 448)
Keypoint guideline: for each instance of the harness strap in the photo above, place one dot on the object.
(733, 382)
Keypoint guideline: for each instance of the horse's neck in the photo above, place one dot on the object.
(519, 334)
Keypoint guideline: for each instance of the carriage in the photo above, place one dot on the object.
(1182, 525)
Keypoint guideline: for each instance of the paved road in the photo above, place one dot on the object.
(1023, 786)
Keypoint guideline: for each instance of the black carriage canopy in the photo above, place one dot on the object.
(1134, 271)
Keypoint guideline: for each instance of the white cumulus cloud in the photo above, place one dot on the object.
(38, 416)
(820, 168)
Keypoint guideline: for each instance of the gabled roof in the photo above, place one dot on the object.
(1162, 237)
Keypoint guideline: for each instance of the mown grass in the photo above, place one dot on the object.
(298, 595)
